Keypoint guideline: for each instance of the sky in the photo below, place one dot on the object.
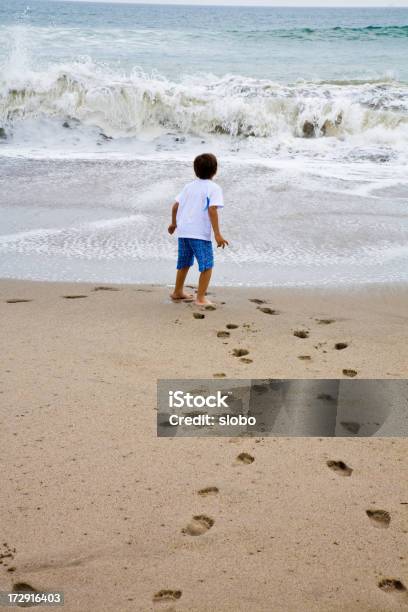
(326, 3)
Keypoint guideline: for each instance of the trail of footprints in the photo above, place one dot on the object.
(69, 296)
(380, 519)
(199, 525)
(303, 334)
(241, 353)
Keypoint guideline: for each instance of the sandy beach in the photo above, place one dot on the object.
(104, 106)
(94, 504)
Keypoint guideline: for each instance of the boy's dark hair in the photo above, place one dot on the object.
(205, 166)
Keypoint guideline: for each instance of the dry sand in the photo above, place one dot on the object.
(92, 503)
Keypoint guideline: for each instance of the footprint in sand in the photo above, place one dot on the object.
(246, 360)
(257, 301)
(379, 518)
(25, 588)
(325, 321)
(350, 373)
(103, 288)
(220, 375)
(326, 397)
(198, 525)
(210, 307)
(6, 555)
(17, 301)
(269, 311)
(198, 315)
(208, 491)
(231, 326)
(223, 334)
(301, 333)
(240, 352)
(260, 389)
(166, 595)
(340, 346)
(304, 357)
(392, 585)
(340, 467)
(74, 297)
(351, 426)
(245, 458)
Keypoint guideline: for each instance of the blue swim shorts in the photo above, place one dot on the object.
(202, 250)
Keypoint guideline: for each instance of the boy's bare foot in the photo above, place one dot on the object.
(181, 296)
(203, 302)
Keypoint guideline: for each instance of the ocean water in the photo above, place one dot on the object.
(103, 107)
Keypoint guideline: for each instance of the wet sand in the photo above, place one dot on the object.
(94, 504)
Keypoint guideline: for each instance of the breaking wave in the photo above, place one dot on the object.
(83, 94)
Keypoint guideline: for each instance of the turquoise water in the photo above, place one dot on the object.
(286, 44)
(137, 73)
(103, 107)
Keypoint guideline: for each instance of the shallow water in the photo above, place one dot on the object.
(88, 220)
(102, 108)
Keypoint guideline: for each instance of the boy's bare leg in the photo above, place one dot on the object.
(178, 293)
(203, 283)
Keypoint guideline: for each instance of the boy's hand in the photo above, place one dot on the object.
(221, 242)
(172, 228)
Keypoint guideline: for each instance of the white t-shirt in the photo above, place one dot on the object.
(193, 220)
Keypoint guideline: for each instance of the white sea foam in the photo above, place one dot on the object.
(95, 151)
(87, 107)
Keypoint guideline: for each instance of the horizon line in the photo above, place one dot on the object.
(247, 4)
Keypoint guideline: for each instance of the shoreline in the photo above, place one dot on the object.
(371, 323)
(70, 232)
(357, 287)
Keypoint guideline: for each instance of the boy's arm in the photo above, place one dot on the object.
(213, 214)
(173, 224)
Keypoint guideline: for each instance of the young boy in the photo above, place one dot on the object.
(193, 214)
